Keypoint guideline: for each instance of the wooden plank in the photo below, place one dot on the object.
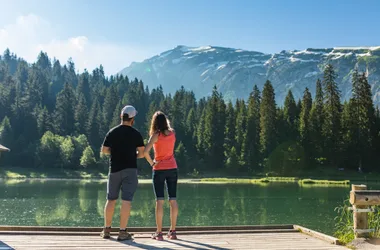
(365, 197)
(318, 235)
(361, 219)
(143, 229)
(115, 233)
(268, 241)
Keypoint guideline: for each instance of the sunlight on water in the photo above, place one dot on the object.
(76, 203)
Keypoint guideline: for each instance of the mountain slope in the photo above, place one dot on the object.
(235, 71)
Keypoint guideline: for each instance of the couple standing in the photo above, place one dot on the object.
(125, 145)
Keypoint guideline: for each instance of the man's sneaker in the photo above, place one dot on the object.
(124, 235)
(172, 235)
(106, 233)
(157, 236)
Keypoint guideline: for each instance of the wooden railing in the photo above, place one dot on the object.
(361, 200)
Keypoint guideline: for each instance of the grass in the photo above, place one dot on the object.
(322, 176)
(344, 223)
(275, 180)
(24, 173)
(324, 182)
(13, 175)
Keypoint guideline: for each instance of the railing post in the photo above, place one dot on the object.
(360, 218)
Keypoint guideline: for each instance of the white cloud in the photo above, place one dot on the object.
(30, 34)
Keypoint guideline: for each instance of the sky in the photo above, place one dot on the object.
(115, 33)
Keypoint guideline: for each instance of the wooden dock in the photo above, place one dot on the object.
(221, 238)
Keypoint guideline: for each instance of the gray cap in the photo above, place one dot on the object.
(129, 110)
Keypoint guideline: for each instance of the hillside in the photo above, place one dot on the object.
(235, 71)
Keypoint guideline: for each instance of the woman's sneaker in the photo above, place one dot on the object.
(172, 235)
(157, 236)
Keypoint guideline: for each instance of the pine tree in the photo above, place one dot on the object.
(110, 103)
(201, 135)
(182, 158)
(81, 115)
(37, 91)
(364, 119)
(317, 120)
(191, 133)
(70, 75)
(214, 129)
(241, 127)
(232, 162)
(93, 125)
(251, 147)
(57, 79)
(6, 133)
(332, 114)
(304, 124)
(350, 130)
(290, 116)
(178, 112)
(84, 87)
(116, 115)
(268, 137)
(64, 120)
(230, 130)
(43, 120)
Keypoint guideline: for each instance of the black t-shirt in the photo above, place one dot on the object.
(123, 141)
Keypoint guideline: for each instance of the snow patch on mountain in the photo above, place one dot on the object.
(235, 71)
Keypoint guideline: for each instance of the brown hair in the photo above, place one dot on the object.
(159, 123)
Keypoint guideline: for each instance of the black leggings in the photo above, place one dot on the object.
(169, 176)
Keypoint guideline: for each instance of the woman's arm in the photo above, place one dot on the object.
(153, 139)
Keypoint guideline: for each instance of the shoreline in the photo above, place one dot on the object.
(321, 179)
(216, 181)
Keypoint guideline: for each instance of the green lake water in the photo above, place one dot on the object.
(79, 203)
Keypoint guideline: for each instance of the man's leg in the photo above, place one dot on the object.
(108, 212)
(113, 188)
(128, 187)
(125, 211)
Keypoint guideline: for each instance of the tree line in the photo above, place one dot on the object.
(54, 117)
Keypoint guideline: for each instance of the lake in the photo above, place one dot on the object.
(81, 203)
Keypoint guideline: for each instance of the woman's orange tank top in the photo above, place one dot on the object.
(164, 152)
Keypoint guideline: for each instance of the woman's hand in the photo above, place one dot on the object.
(154, 163)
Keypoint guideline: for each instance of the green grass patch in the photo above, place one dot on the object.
(225, 180)
(344, 222)
(13, 175)
(275, 180)
(324, 182)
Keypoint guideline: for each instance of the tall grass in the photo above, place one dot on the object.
(344, 222)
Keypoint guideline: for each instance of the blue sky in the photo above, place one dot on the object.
(115, 33)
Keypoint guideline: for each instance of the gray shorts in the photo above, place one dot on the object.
(126, 180)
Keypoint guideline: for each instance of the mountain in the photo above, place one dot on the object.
(235, 71)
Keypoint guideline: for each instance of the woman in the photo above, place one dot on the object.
(162, 139)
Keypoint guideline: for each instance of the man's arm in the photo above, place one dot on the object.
(106, 150)
(140, 152)
(140, 146)
(106, 146)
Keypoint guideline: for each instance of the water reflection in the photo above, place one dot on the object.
(81, 203)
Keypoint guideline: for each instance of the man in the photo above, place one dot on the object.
(125, 144)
